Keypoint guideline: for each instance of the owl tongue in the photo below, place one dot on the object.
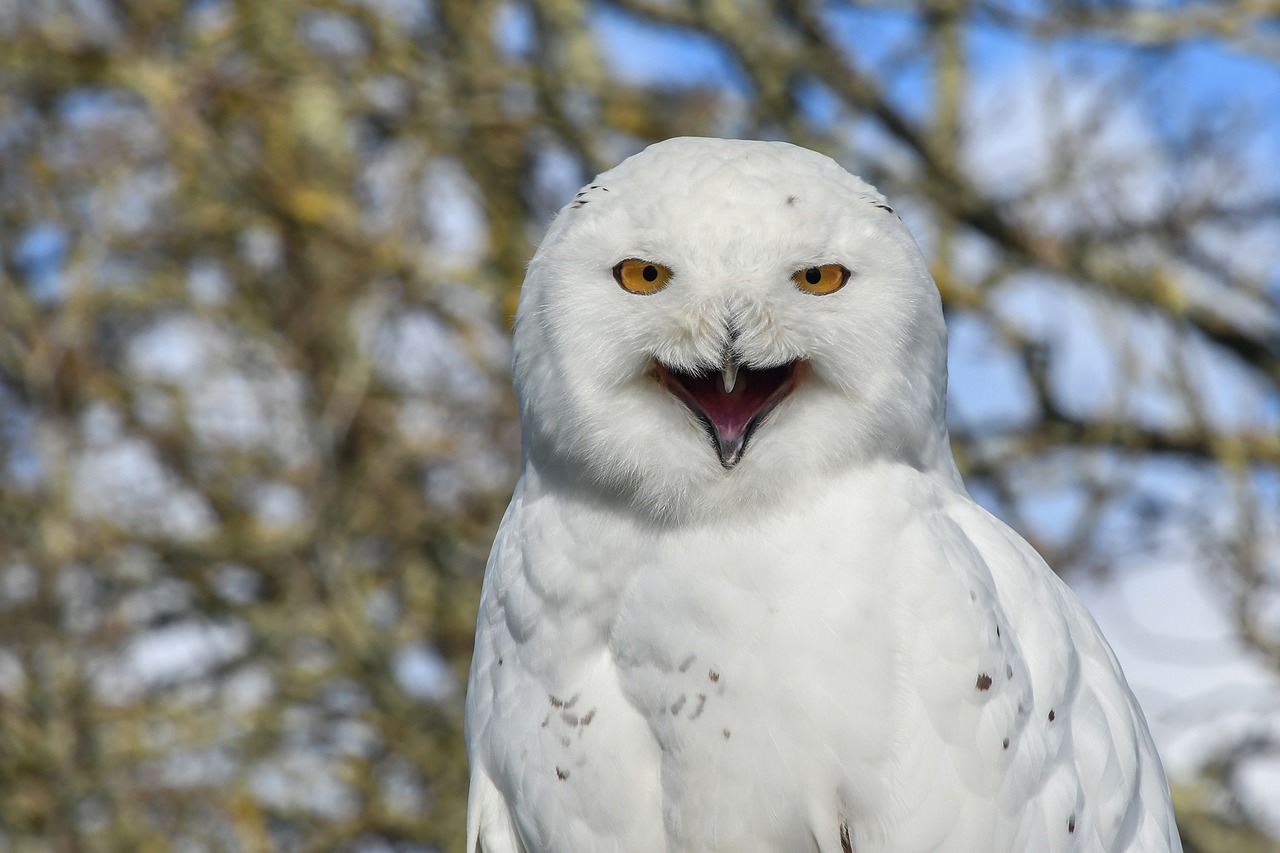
(731, 416)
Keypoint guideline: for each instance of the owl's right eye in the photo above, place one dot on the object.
(822, 280)
(643, 277)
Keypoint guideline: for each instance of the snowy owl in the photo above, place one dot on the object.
(741, 600)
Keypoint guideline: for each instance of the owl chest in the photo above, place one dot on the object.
(765, 685)
(735, 681)
(777, 680)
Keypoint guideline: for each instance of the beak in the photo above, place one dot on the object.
(731, 400)
(729, 449)
(729, 375)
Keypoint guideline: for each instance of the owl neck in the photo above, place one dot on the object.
(743, 494)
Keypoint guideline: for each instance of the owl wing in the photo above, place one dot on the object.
(546, 719)
(1084, 768)
(1029, 737)
(490, 827)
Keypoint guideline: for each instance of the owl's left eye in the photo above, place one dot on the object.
(822, 280)
(643, 277)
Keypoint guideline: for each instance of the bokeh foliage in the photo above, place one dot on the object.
(259, 259)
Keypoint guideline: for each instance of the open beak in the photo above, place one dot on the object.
(731, 401)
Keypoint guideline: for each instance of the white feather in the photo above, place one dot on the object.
(827, 647)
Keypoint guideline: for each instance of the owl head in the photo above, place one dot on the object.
(715, 326)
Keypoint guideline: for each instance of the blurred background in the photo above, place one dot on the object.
(258, 261)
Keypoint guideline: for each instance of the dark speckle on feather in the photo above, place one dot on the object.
(984, 681)
(562, 774)
(846, 844)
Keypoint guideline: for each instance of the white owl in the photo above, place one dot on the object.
(741, 600)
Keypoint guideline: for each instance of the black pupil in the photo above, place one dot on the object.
(650, 272)
(813, 275)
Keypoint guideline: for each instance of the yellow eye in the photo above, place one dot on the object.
(822, 280)
(643, 277)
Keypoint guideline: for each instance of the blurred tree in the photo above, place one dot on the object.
(257, 263)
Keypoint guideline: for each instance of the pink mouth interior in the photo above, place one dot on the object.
(755, 392)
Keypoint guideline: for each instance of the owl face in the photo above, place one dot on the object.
(714, 323)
